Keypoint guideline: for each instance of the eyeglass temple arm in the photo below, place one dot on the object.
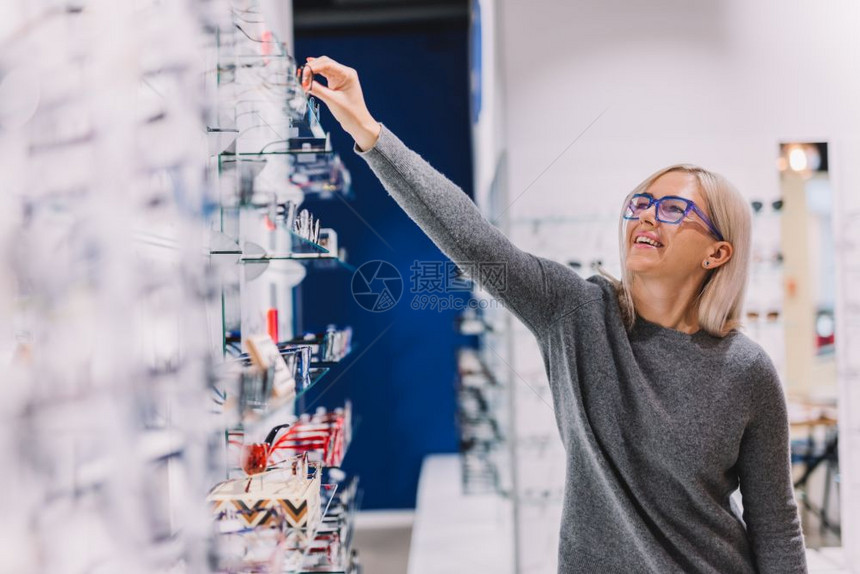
(707, 221)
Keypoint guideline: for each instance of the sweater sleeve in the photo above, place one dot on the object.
(764, 468)
(453, 222)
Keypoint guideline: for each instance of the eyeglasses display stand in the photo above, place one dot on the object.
(155, 162)
(763, 312)
(267, 244)
(583, 243)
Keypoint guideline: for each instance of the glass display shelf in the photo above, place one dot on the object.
(247, 228)
(316, 375)
(285, 346)
(311, 260)
(316, 175)
(330, 364)
(302, 250)
(320, 176)
(274, 412)
(286, 135)
(225, 417)
(307, 258)
(162, 243)
(300, 246)
(219, 139)
(314, 146)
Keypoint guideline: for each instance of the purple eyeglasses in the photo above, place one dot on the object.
(670, 209)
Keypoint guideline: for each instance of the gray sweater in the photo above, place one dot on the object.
(659, 427)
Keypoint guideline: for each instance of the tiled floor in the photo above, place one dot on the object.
(825, 554)
(383, 540)
(383, 550)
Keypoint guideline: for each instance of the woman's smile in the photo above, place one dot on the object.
(646, 240)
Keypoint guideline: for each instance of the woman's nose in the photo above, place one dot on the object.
(649, 215)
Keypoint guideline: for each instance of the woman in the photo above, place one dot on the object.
(663, 406)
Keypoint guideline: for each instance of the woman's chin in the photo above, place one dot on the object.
(640, 265)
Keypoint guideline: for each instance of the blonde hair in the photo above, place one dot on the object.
(721, 299)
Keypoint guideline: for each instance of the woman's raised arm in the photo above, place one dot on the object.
(522, 282)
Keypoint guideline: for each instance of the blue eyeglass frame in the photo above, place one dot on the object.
(691, 206)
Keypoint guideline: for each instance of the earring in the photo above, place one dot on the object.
(707, 263)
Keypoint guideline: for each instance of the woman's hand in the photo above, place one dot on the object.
(343, 97)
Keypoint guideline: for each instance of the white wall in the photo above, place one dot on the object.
(715, 83)
(718, 83)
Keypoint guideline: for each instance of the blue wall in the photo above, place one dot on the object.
(402, 386)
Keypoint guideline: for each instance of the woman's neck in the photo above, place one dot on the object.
(667, 302)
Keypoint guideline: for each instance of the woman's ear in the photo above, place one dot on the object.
(719, 254)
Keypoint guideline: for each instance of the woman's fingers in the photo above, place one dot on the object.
(342, 94)
(324, 63)
(330, 70)
(321, 92)
(307, 77)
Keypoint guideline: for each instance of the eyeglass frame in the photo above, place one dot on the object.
(691, 206)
